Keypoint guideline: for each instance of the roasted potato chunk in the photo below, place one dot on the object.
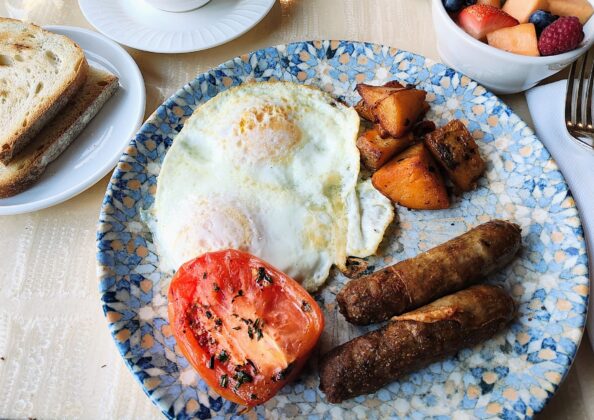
(364, 111)
(373, 94)
(412, 179)
(375, 150)
(399, 111)
(457, 152)
(422, 128)
(394, 84)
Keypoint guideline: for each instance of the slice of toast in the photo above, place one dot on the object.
(27, 166)
(39, 72)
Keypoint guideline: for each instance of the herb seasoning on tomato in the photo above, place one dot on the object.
(246, 327)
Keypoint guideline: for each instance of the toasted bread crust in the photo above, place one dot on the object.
(22, 182)
(55, 137)
(17, 140)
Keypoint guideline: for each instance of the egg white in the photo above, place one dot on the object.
(271, 169)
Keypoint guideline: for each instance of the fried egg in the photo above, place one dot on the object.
(271, 169)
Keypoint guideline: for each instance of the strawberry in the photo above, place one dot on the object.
(480, 19)
(563, 35)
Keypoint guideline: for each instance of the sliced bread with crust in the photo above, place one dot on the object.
(27, 166)
(39, 72)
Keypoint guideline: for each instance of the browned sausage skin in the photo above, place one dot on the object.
(414, 340)
(444, 269)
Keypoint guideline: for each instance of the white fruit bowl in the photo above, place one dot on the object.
(498, 70)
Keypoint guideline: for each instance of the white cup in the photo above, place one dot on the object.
(177, 5)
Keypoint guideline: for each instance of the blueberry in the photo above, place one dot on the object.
(541, 20)
(469, 2)
(453, 6)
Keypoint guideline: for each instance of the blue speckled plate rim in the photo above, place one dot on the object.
(171, 100)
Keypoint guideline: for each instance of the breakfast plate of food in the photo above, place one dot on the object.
(335, 228)
(63, 134)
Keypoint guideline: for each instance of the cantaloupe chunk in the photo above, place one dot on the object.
(582, 9)
(520, 39)
(494, 3)
(522, 9)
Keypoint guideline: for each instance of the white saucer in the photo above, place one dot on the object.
(138, 25)
(98, 148)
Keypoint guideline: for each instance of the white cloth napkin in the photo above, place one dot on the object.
(547, 107)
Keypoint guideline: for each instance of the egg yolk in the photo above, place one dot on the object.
(215, 224)
(266, 133)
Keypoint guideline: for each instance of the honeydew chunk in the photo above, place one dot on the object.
(522, 9)
(582, 9)
(520, 39)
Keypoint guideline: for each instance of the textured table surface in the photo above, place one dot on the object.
(56, 356)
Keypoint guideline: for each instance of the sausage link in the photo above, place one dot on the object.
(414, 340)
(444, 269)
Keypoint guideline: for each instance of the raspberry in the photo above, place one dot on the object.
(563, 35)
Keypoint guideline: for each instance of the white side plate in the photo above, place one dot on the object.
(139, 25)
(97, 149)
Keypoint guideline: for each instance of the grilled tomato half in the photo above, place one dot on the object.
(246, 327)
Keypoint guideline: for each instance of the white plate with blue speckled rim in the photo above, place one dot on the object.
(97, 149)
(511, 376)
(139, 25)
